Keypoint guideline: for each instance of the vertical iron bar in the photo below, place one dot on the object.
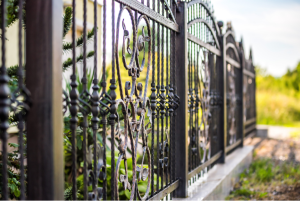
(74, 104)
(113, 108)
(44, 38)
(21, 123)
(181, 129)
(137, 134)
(175, 92)
(162, 91)
(173, 67)
(85, 120)
(158, 94)
(241, 87)
(167, 89)
(153, 103)
(103, 84)
(223, 140)
(95, 100)
(4, 104)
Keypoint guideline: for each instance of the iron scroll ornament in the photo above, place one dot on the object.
(202, 99)
(205, 106)
(232, 104)
(134, 105)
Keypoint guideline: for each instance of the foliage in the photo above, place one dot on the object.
(13, 175)
(263, 177)
(67, 46)
(12, 12)
(67, 18)
(13, 162)
(278, 98)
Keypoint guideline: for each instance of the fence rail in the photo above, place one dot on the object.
(167, 94)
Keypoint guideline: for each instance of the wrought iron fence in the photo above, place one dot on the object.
(249, 89)
(205, 88)
(168, 96)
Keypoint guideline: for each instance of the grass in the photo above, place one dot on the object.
(275, 108)
(277, 98)
(263, 177)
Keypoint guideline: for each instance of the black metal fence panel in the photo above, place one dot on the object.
(234, 89)
(15, 105)
(249, 85)
(140, 117)
(155, 95)
(205, 84)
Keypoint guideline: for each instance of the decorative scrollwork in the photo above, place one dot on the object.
(172, 101)
(134, 105)
(232, 104)
(215, 99)
(97, 192)
(206, 115)
(89, 103)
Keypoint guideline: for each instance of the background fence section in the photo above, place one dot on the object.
(159, 98)
(204, 88)
(249, 91)
(234, 91)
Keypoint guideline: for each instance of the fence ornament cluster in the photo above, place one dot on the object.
(175, 96)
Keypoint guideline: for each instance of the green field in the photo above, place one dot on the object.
(278, 99)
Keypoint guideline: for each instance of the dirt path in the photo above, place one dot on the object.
(282, 148)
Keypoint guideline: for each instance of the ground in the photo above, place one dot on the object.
(274, 173)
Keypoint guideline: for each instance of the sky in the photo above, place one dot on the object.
(270, 27)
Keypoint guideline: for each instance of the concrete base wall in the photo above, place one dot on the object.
(222, 177)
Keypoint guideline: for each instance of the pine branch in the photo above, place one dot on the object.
(67, 20)
(69, 61)
(13, 70)
(12, 12)
(79, 42)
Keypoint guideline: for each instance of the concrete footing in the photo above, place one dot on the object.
(221, 178)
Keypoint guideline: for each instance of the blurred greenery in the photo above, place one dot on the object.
(277, 98)
(263, 177)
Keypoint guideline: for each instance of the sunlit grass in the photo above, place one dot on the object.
(274, 108)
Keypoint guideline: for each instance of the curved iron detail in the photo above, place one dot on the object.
(233, 47)
(135, 105)
(98, 173)
(232, 104)
(169, 10)
(205, 5)
(207, 24)
(204, 137)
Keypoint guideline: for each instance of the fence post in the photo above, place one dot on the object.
(242, 63)
(44, 28)
(223, 74)
(181, 127)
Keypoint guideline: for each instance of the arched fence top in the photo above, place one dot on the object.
(169, 10)
(233, 47)
(200, 20)
(205, 6)
(228, 33)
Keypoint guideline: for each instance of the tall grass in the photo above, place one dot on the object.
(278, 99)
